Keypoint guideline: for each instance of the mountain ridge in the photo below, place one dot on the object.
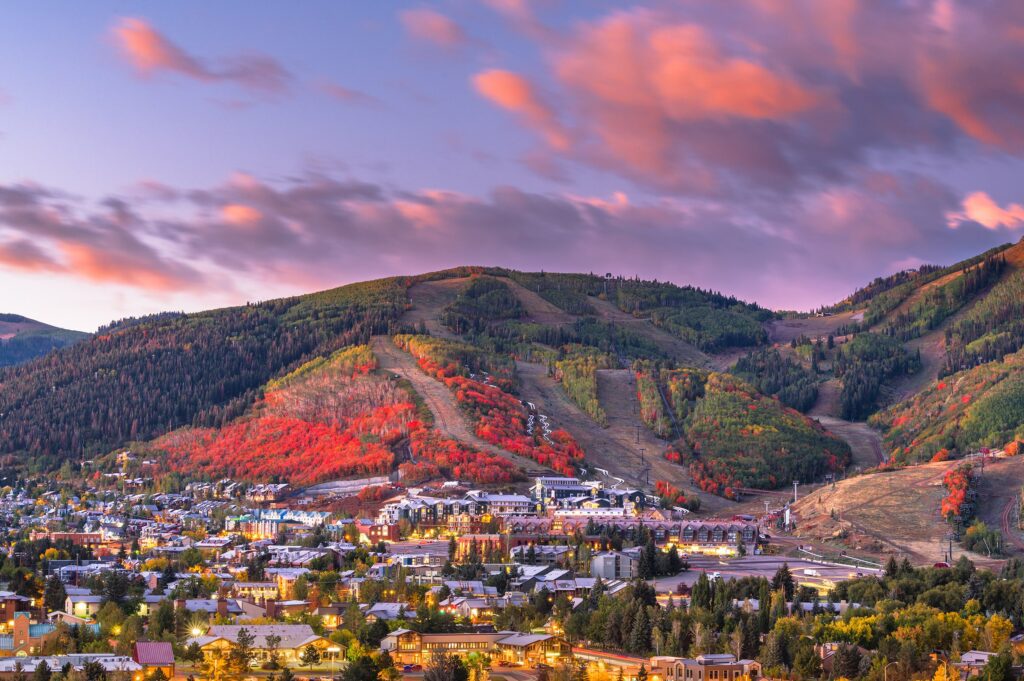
(23, 339)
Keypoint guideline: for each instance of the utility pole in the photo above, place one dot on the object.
(638, 434)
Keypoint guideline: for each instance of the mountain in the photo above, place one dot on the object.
(492, 375)
(22, 339)
(511, 381)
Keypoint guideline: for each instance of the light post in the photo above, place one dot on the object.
(885, 671)
(334, 650)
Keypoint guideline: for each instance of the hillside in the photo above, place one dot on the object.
(23, 339)
(954, 416)
(493, 375)
(139, 379)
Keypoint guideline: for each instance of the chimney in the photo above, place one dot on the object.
(179, 603)
(222, 607)
(272, 608)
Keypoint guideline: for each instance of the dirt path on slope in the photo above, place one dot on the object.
(448, 418)
(613, 449)
(865, 441)
(674, 347)
(428, 299)
(537, 309)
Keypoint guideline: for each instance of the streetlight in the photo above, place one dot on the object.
(885, 671)
(334, 650)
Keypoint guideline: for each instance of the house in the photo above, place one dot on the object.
(614, 565)
(388, 612)
(153, 655)
(293, 638)
(973, 662)
(82, 603)
(11, 603)
(721, 667)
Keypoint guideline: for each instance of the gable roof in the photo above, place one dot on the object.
(153, 653)
(292, 635)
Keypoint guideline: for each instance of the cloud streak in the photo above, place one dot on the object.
(316, 231)
(150, 52)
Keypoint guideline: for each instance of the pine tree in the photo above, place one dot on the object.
(701, 595)
(640, 637)
(783, 579)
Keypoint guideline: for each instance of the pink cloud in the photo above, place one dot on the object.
(981, 208)
(515, 93)
(150, 52)
(433, 27)
(241, 214)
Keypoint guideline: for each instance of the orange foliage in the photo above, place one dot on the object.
(272, 447)
(669, 493)
(462, 462)
(956, 481)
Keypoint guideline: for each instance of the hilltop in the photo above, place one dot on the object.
(23, 339)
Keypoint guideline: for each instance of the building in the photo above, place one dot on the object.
(552, 490)
(255, 591)
(614, 565)
(487, 503)
(26, 637)
(704, 668)
(82, 603)
(11, 603)
(542, 554)
(17, 667)
(410, 647)
(153, 655)
(293, 639)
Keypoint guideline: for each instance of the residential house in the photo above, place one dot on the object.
(293, 638)
(153, 655)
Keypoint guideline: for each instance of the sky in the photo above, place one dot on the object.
(189, 155)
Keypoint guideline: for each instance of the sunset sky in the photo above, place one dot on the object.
(188, 155)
